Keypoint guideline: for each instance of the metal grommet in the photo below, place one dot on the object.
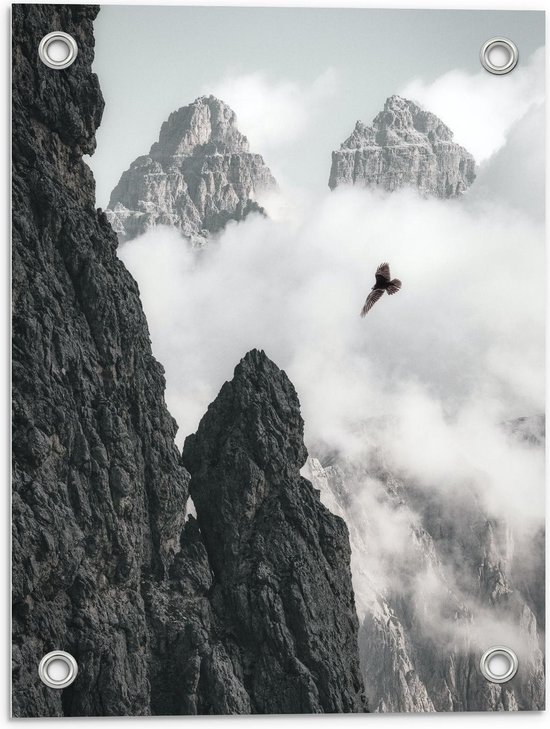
(499, 664)
(510, 49)
(57, 50)
(58, 669)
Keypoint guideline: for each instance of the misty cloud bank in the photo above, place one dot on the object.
(423, 384)
(458, 351)
(479, 108)
(455, 353)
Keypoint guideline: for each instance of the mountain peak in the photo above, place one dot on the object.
(280, 559)
(207, 120)
(407, 115)
(198, 175)
(406, 146)
(259, 393)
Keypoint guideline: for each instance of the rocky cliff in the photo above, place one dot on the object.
(198, 176)
(105, 564)
(99, 492)
(406, 146)
(448, 582)
(280, 558)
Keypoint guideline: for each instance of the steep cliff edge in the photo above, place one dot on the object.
(99, 492)
(282, 582)
(198, 176)
(105, 564)
(406, 146)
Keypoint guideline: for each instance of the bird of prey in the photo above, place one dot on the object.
(383, 283)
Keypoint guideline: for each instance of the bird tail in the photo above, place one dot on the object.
(364, 312)
(394, 286)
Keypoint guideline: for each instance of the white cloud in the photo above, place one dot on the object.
(273, 113)
(443, 453)
(499, 177)
(456, 352)
(427, 377)
(480, 108)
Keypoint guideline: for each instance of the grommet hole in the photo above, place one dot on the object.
(499, 664)
(58, 669)
(499, 56)
(57, 50)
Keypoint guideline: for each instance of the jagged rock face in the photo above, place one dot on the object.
(405, 147)
(99, 492)
(198, 176)
(105, 566)
(426, 610)
(280, 558)
(190, 670)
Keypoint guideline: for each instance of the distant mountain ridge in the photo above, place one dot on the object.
(421, 625)
(406, 146)
(198, 175)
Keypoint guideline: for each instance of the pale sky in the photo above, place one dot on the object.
(298, 78)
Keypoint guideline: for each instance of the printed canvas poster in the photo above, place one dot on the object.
(278, 360)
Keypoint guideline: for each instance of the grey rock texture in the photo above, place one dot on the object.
(105, 564)
(430, 608)
(280, 558)
(530, 430)
(198, 176)
(405, 147)
(99, 492)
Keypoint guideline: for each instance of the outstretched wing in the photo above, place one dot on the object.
(372, 298)
(382, 274)
(394, 286)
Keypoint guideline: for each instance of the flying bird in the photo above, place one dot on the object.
(383, 283)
